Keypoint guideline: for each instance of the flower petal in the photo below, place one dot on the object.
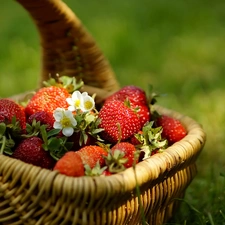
(67, 131)
(69, 101)
(76, 95)
(71, 108)
(88, 104)
(57, 125)
(58, 114)
(84, 94)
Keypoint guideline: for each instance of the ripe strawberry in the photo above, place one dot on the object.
(9, 109)
(137, 98)
(70, 164)
(92, 154)
(143, 113)
(44, 118)
(47, 99)
(135, 94)
(129, 151)
(74, 163)
(106, 173)
(118, 121)
(173, 130)
(30, 151)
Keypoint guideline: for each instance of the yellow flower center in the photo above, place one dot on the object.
(88, 105)
(65, 122)
(77, 103)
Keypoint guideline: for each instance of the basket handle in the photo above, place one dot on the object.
(68, 48)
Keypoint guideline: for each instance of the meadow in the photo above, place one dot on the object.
(177, 46)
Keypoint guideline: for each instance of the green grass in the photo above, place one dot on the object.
(177, 46)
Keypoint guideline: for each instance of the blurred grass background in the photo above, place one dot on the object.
(177, 46)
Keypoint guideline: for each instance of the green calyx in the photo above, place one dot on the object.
(69, 83)
(87, 124)
(97, 170)
(10, 132)
(115, 161)
(151, 139)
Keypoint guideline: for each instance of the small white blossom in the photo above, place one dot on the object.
(74, 101)
(65, 121)
(81, 101)
(87, 104)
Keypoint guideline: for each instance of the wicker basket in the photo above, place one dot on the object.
(35, 196)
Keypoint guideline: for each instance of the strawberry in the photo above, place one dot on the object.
(143, 113)
(118, 121)
(45, 118)
(30, 150)
(135, 94)
(92, 154)
(121, 156)
(10, 109)
(106, 173)
(47, 99)
(75, 163)
(70, 164)
(173, 130)
(129, 151)
(137, 98)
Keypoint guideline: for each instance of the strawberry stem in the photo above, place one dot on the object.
(119, 132)
(137, 187)
(3, 144)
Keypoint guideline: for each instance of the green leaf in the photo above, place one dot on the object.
(44, 134)
(2, 129)
(54, 143)
(96, 131)
(53, 132)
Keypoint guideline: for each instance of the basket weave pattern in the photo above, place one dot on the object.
(30, 195)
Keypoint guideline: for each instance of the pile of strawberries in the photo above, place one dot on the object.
(62, 129)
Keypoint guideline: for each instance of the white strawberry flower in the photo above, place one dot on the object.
(87, 104)
(81, 101)
(65, 121)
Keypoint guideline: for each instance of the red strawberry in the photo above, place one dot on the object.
(30, 151)
(91, 154)
(106, 173)
(9, 109)
(143, 112)
(70, 164)
(173, 130)
(73, 163)
(44, 118)
(118, 121)
(47, 99)
(129, 152)
(137, 98)
(135, 94)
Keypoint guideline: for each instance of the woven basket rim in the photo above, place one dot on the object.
(158, 166)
